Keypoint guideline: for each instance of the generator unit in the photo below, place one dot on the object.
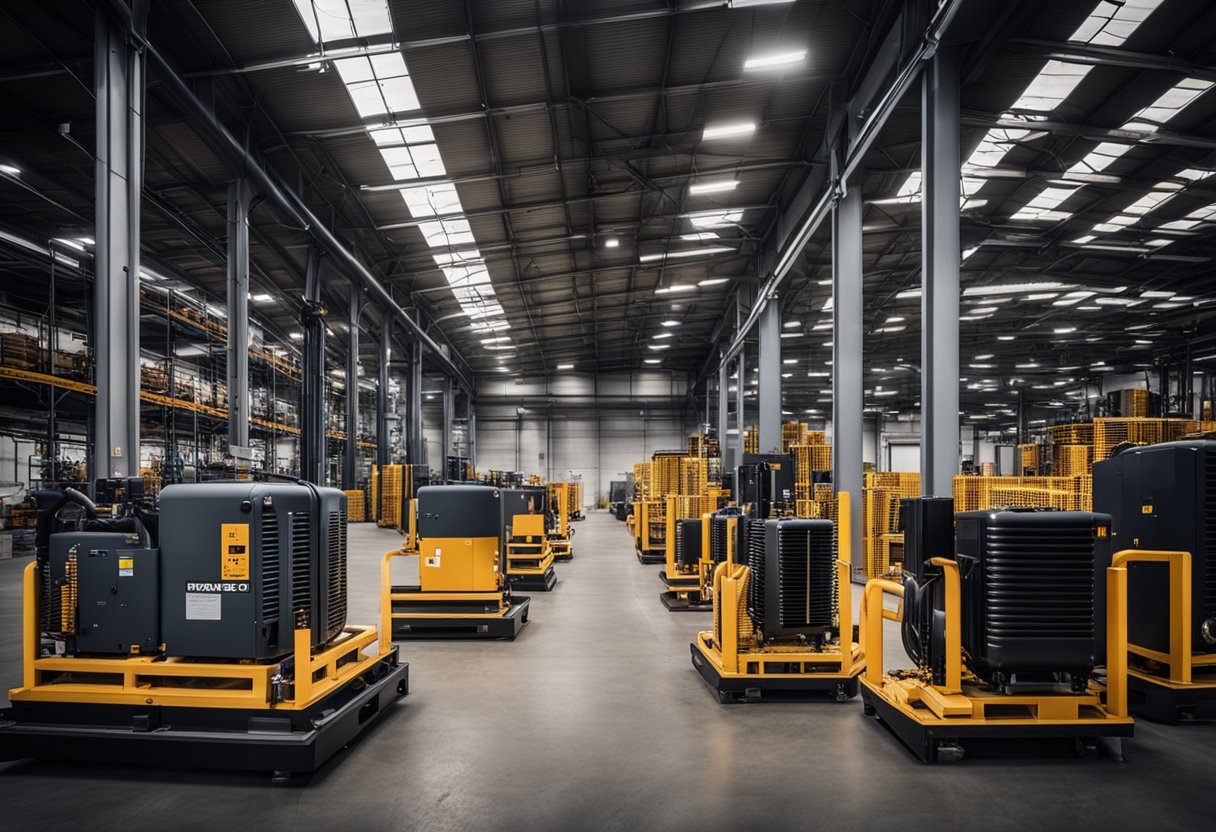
(1162, 498)
(726, 527)
(462, 591)
(764, 485)
(222, 643)
(782, 610)
(1005, 632)
(529, 557)
(682, 575)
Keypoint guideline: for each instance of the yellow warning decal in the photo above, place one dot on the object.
(1147, 508)
(234, 551)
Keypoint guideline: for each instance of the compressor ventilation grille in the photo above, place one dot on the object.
(755, 563)
(301, 566)
(806, 576)
(718, 539)
(1039, 582)
(336, 572)
(271, 568)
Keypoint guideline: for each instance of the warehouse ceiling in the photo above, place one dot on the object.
(561, 185)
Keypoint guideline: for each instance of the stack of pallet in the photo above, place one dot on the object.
(19, 351)
(356, 509)
(882, 538)
(390, 497)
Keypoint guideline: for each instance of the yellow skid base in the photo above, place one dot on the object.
(778, 673)
(412, 614)
(936, 726)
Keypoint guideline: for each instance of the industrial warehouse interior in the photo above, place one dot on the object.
(607, 414)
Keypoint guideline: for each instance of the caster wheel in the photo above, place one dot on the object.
(869, 710)
(1087, 748)
(948, 752)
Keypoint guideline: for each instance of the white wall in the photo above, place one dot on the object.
(580, 426)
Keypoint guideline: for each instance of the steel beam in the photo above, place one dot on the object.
(785, 253)
(119, 74)
(940, 261)
(382, 444)
(769, 362)
(312, 404)
(240, 199)
(448, 412)
(417, 443)
(724, 416)
(350, 457)
(848, 324)
(293, 205)
(471, 416)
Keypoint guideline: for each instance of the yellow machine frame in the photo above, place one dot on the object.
(559, 538)
(1164, 685)
(931, 719)
(527, 534)
(156, 680)
(738, 671)
(648, 551)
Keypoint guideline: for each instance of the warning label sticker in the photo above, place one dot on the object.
(234, 551)
(126, 567)
(203, 606)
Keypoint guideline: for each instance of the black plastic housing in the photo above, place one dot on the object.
(1033, 591)
(1164, 497)
(792, 590)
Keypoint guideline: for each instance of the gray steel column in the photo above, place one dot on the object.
(119, 73)
(740, 406)
(240, 197)
(769, 362)
(940, 253)
(312, 404)
(724, 414)
(470, 410)
(448, 412)
(847, 365)
(382, 443)
(417, 445)
(352, 390)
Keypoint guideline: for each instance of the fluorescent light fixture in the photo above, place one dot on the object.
(723, 131)
(669, 323)
(983, 357)
(713, 281)
(895, 319)
(1064, 330)
(982, 310)
(688, 252)
(657, 347)
(676, 287)
(10, 170)
(713, 186)
(612, 242)
(789, 361)
(565, 366)
(1030, 365)
(662, 335)
(297, 336)
(791, 335)
(261, 297)
(653, 360)
(700, 236)
(1152, 293)
(715, 219)
(775, 59)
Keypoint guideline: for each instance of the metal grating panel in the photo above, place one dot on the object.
(336, 572)
(755, 563)
(1209, 535)
(1039, 582)
(806, 576)
(301, 562)
(271, 570)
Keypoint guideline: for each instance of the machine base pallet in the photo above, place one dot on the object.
(761, 688)
(937, 743)
(652, 557)
(432, 623)
(1162, 702)
(675, 603)
(534, 583)
(281, 741)
(564, 558)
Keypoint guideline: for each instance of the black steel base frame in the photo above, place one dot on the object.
(1160, 703)
(934, 743)
(677, 603)
(531, 582)
(506, 626)
(651, 556)
(280, 741)
(766, 688)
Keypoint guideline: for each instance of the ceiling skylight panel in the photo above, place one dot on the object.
(457, 231)
(1111, 22)
(1170, 104)
(367, 99)
(400, 162)
(463, 258)
(431, 200)
(1043, 206)
(1051, 86)
(467, 276)
(427, 160)
(354, 70)
(399, 94)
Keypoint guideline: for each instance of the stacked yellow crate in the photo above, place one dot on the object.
(390, 497)
(355, 508)
(1071, 460)
(751, 440)
(1028, 458)
(882, 494)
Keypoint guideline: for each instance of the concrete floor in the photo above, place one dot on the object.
(594, 718)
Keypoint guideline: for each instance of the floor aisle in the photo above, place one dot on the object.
(594, 718)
